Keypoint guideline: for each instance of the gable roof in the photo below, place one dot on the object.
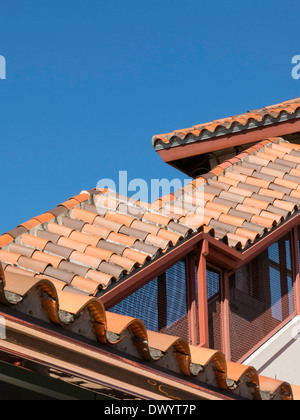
(95, 239)
(250, 120)
(246, 197)
(83, 245)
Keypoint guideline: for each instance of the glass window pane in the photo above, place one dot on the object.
(142, 304)
(275, 293)
(176, 293)
(273, 253)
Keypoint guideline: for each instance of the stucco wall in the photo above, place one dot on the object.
(279, 357)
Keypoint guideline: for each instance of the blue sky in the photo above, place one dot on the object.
(90, 82)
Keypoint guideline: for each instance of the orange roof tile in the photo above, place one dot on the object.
(92, 251)
(173, 353)
(5, 239)
(239, 202)
(242, 122)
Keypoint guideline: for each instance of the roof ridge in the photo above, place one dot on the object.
(46, 217)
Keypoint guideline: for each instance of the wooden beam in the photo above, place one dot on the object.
(296, 268)
(225, 315)
(191, 298)
(162, 301)
(202, 297)
(283, 280)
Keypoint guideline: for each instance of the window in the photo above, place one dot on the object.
(161, 303)
(261, 297)
(141, 304)
(280, 263)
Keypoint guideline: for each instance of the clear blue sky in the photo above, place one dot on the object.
(89, 83)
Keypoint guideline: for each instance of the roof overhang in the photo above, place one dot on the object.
(179, 154)
(55, 355)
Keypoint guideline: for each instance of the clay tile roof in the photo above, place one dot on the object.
(247, 121)
(246, 198)
(74, 252)
(107, 242)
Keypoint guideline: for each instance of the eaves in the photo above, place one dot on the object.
(106, 372)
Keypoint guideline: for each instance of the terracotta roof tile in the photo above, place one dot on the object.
(257, 182)
(30, 224)
(145, 227)
(58, 274)
(96, 231)
(200, 364)
(238, 176)
(157, 241)
(107, 224)
(85, 259)
(59, 229)
(16, 270)
(295, 172)
(85, 238)
(99, 253)
(263, 205)
(69, 204)
(102, 279)
(242, 122)
(84, 215)
(20, 249)
(271, 193)
(295, 194)
(242, 170)
(114, 270)
(157, 219)
(71, 244)
(9, 257)
(34, 241)
(32, 264)
(124, 219)
(124, 262)
(240, 191)
(262, 182)
(51, 237)
(48, 258)
(5, 239)
(85, 284)
(248, 209)
(136, 256)
(73, 268)
(14, 233)
(58, 250)
(221, 208)
(170, 236)
(81, 197)
(72, 223)
(43, 218)
(87, 249)
(232, 220)
(121, 239)
(111, 246)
